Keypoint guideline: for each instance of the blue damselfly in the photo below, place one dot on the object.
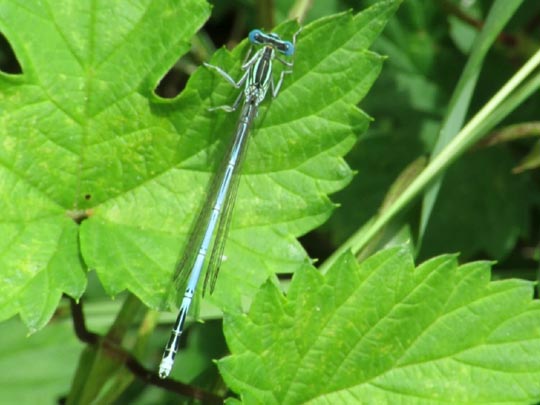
(212, 224)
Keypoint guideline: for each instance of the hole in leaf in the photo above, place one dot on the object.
(175, 79)
(8, 60)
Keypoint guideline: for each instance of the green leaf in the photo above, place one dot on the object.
(77, 133)
(387, 332)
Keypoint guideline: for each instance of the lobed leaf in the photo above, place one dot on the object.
(78, 137)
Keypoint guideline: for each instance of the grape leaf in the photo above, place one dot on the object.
(384, 331)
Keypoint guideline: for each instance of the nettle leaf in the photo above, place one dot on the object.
(84, 136)
(79, 137)
(384, 331)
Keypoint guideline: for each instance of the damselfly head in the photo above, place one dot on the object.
(272, 39)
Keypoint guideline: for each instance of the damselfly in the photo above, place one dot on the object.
(211, 227)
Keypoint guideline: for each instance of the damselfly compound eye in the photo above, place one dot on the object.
(256, 37)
